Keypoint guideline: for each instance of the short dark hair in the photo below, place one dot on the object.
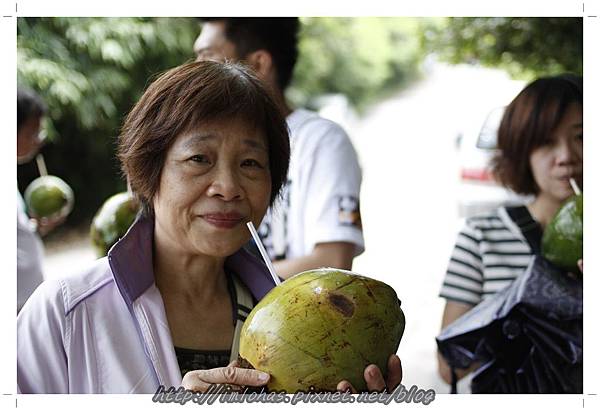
(29, 105)
(277, 35)
(528, 123)
(186, 96)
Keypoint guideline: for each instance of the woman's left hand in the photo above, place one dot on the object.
(374, 378)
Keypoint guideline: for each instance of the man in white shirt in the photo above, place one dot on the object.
(317, 221)
(30, 250)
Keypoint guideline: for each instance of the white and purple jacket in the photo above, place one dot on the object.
(105, 330)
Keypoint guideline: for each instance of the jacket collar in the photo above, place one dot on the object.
(130, 261)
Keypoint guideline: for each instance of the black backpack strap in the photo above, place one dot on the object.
(531, 229)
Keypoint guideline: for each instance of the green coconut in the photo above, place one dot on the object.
(562, 242)
(112, 221)
(49, 197)
(321, 327)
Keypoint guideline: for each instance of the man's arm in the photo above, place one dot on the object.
(334, 254)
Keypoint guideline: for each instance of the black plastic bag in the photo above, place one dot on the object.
(528, 337)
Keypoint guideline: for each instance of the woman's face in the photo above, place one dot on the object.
(215, 179)
(562, 158)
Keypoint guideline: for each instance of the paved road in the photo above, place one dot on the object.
(409, 197)
(406, 149)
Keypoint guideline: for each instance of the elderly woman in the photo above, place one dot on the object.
(205, 150)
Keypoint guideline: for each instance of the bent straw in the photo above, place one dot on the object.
(574, 186)
(263, 252)
(41, 165)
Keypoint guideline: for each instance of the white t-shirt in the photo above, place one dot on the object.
(320, 202)
(30, 254)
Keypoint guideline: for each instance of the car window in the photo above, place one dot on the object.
(489, 131)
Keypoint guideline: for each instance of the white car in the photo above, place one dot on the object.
(478, 191)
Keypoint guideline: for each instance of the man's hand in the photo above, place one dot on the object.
(335, 255)
(45, 225)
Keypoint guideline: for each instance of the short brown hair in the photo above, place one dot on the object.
(186, 96)
(528, 123)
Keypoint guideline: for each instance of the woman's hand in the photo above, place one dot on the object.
(375, 380)
(575, 274)
(232, 375)
(452, 311)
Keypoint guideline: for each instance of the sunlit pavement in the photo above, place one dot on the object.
(408, 200)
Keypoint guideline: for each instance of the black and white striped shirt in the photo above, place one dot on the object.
(490, 252)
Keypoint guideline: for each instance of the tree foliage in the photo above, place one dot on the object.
(358, 57)
(90, 71)
(527, 47)
(87, 66)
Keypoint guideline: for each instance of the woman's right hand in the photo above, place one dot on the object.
(232, 376)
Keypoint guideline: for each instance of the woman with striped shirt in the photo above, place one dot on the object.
(540, 147)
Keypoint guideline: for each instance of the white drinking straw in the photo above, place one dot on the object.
(574, 186)
(41, 164)
(263, 252)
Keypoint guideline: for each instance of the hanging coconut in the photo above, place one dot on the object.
(321, 327)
